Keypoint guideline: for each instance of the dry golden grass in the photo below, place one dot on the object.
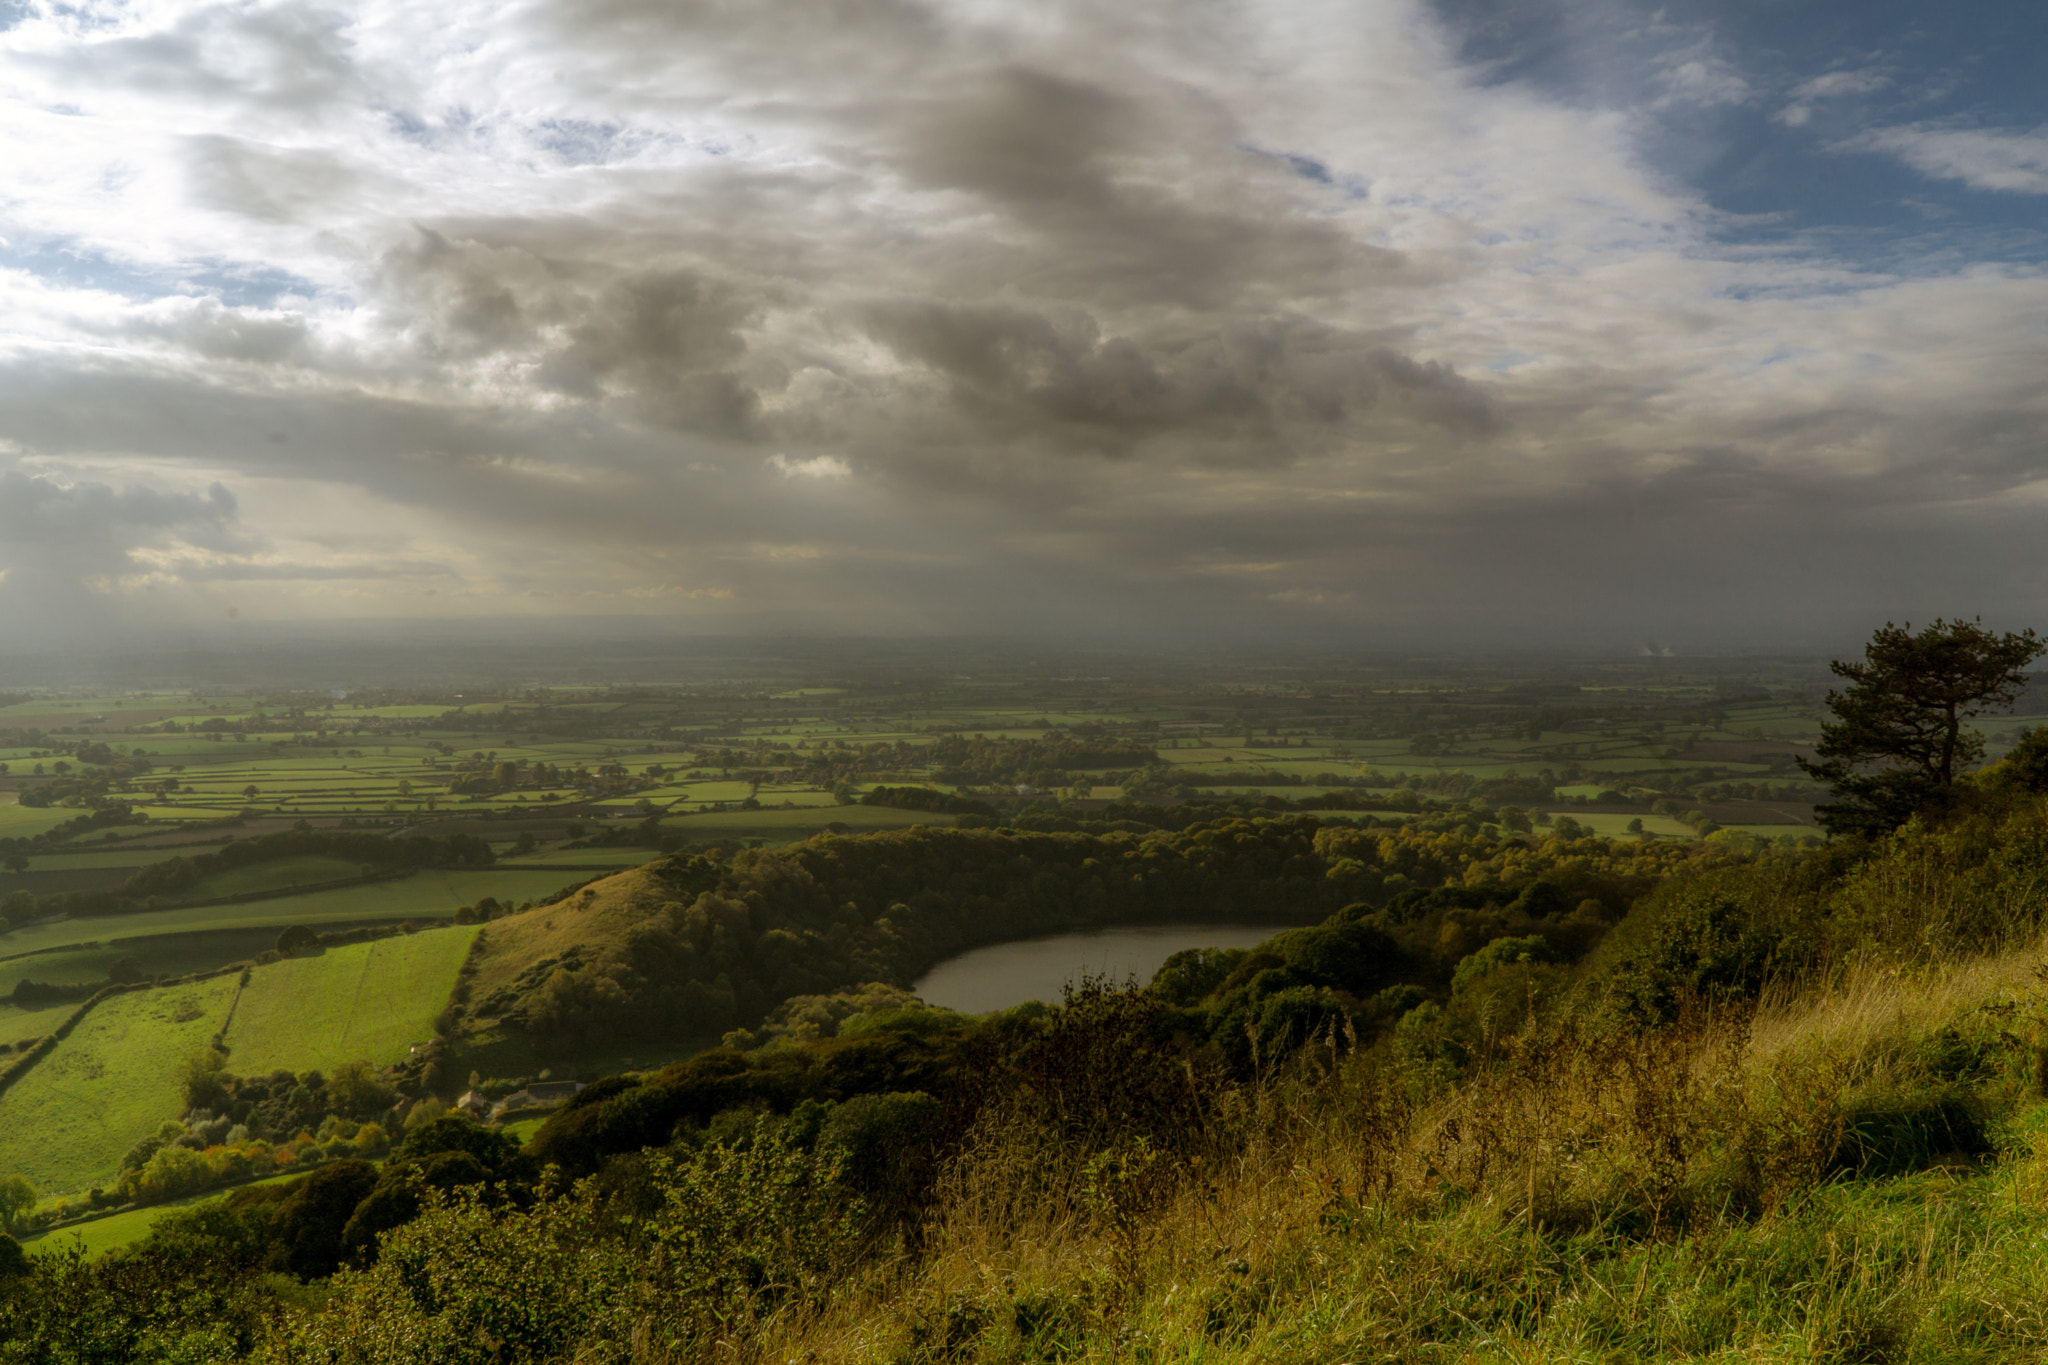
(598, 914)
(1879, 1005)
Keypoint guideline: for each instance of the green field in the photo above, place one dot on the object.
(68, 1122)
(362, 1002)
(519, 1130)
(101, 1235)
(26, 822)
(161, 955)
(581, 857)
(432, 894)
(280, 875)
(794, 826)
(18, 1025)
(96, 860)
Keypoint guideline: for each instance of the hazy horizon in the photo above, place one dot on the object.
(1473, 324)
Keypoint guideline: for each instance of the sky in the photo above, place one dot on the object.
(1472, 323)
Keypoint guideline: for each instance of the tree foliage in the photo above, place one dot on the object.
(1900, 736)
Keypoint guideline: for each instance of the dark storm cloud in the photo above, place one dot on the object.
(64, 544)
(1254, 390)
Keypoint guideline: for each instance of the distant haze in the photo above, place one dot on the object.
(1485, 324)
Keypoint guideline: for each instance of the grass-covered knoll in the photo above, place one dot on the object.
(67, 1123)
(360, 1002)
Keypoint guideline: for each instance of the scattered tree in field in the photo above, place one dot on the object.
(17, 862)
(1900, 736)
(354, 1091)
(202, 1080)
(17, 1197)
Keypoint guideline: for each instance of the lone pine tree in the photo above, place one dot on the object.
(1900, 737)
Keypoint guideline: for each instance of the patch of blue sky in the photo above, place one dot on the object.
(1769, 141)
(239, 284)
(580, 143)
(411, 126)
(1308, 168)
(1314, 170)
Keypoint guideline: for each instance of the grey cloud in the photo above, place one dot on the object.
(211, 329)
(39, 510)
(1029, 373)
(1107, 185)
(271, 184)
(265, 571)
(60, 542)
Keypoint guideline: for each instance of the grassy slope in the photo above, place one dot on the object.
(1331, 1236)
(599, 914)
(361, 1002)
(68, 1122)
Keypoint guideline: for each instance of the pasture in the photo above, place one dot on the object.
(20, 1025)
(160, 955)
(360, 1002)
(68, 1122)
(101, 1235)
(434, 893)
(778, 827)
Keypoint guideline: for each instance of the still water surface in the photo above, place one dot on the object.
(1008, 974)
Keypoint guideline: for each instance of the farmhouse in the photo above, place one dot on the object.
(544, 1095)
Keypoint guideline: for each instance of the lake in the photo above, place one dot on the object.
(1006, 974)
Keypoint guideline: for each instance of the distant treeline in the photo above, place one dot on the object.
(177, 875)
(925, 798)
(151, 886)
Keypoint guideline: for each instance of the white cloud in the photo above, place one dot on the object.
(1829, 85)
(2008, 160)
(817, 467)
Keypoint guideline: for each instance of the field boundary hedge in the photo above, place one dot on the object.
(220, 1035)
